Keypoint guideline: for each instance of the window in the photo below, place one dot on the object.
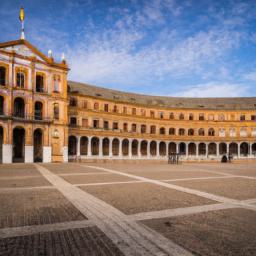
(115, 109)
(38, 110)
(56, 83)
(201, 116)
(143, 128)
(191, 132)
(152, 114)
(19, 107)
(222, 132)
(125, 127)
(211, 132)
(233, 117)
(161, 115)
(253, 117)
(243, 132)
(152, 129)
(96, 106)
(171, 116)
(96, 124)
(115, 126)
(125, 110)
(106, 107)
(73, 121)
(143, 112)
(1, 105)
(221, 117)
(56, 111)
(72, 102)
(134, 111)
(232, 132)
(201, 132)
(191, 116)
(85, 122)
(85, 104)
(181, 116)
(162, 131)
(106, 125)
(39, 83)
(242, 117)
(2, 75)
(181, 131)
(172, 131)
(20, 79)
(210, 117)
(134, 128)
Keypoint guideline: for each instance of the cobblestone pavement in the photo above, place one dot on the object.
(128, 209)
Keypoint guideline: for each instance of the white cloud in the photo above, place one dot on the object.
(213, 89)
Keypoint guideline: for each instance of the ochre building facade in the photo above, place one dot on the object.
(44, 117)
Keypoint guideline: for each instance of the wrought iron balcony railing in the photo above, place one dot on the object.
(26, 118)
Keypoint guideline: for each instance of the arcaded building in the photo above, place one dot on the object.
(44, 117)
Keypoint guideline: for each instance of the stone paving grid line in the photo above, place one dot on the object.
(213, 197)
(129, 236)
(30, 230)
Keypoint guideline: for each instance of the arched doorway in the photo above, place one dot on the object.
(95, 143)
(162, 148)
(115, 147)
(254, 149)
(192, 149)
(83, 146)
(18, 145)
(105, 145)
(182, 148)
(72, 145)
(223, 148)
(233, 148)
(125, 147)
(1, 143)
(212, 149)
(19, 108)
(38, 145)
(153, 148)
(135, 147)
(202, 149)
(1, 105)
(244, 149)
(171, 148)
(143, 148)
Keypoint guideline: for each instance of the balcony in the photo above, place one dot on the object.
(18, 117)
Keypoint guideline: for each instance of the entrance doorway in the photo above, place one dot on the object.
(38, 145)
(18, 145)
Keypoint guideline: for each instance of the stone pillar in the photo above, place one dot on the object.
(78, 146)
(238, 150)
(139, 148)
(207, 145)
(120, 153)
(110, 147)
(157, 149)
(249, 149)
(187, 149)
(65, 154)
(227, 148)
(177, 147)
(7, 154)
(47, 154)
(130, 148)
(100, 147)
(167, 147)
(197, 150)
(89, 147)
(29, 154)
(218, 149)
(148, 150)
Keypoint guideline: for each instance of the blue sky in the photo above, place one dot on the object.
(193, 48)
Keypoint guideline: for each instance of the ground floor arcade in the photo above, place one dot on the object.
(80, 147)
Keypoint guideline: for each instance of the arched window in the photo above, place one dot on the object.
(38, 110)
(56, 111)
(96, 106)
(191, 116)
(201, 132)
(152, 129)
(181, 131)
(191, 132)
(221, 117)
(181, 116)
(172, 131)
(72, 102)
(211, 132)
(56, 83)
(171, 116)
(115, 109)
(134, 128)
(162, 131)
(20, 79)
(2, 75)
(143, 128)
(125, 127)
(39, 83)
(19, 107)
